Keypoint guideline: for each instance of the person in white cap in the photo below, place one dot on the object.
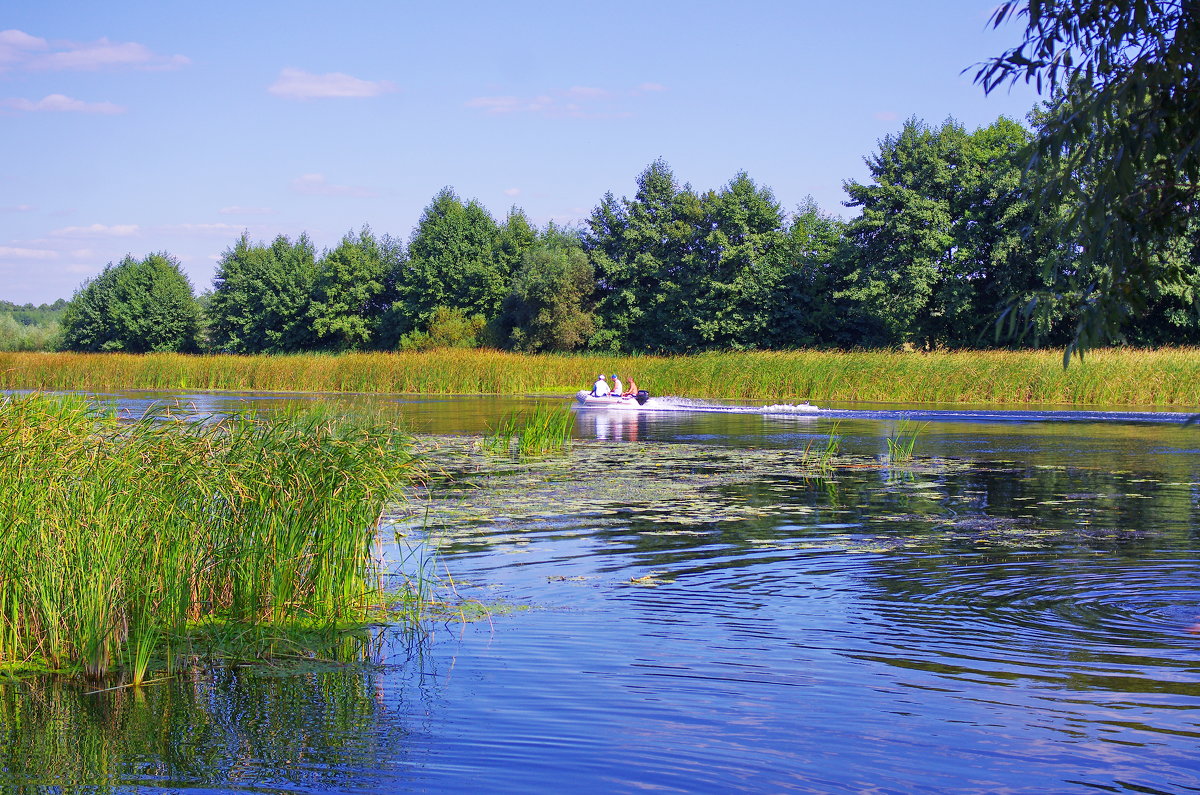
(600, 388)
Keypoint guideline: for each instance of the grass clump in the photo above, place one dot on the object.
(542, 430)
(120, 538)
(821, 455)
(903, 439)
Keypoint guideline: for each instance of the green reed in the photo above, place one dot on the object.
(903, 439)
(820, 455)
(1118, 376)
(542, 430)
(119, 538)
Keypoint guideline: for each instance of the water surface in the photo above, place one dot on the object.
(680, 605)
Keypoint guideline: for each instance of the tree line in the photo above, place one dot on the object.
(947, 240)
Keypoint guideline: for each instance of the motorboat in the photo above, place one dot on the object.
(610, 401)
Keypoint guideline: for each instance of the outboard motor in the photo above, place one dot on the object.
(641, 397)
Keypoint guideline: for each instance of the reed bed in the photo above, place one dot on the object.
(542, 430)
(1112, 377)
(121, 542)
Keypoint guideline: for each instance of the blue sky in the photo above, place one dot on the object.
(132, 127)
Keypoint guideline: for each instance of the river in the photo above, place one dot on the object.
(680, 605)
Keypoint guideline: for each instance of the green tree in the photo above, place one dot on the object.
(349, 293)
(137, 306)
(1124, 80)
(938, 247)
(260, 299)
(548, 308)
(802, 311)
(452, 262)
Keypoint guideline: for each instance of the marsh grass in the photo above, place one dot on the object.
(1165, 377)
(127, 541)
(821, 456)
(903, 439)
(536, 432)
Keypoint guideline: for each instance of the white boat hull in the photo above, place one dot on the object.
(586, 398)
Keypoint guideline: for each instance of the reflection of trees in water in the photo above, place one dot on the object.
(318, 726)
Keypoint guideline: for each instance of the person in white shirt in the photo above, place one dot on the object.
(617, 389)
(600, 388)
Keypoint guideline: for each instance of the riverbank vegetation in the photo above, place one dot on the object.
(1113, 377)
(136, 543)
(947, 243)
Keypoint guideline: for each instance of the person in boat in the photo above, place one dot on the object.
(631, 390)
(600, 388)
(617, 389)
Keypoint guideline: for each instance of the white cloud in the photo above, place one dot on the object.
(512, 191)
(17, 208)
(298, 84)
(21, 50)
(648, 88)
(8, 252)
(886, 115)
(97, 230)
(316, 185)
(58, 103)
(200, 229)
(235, 210)
(576, 102)
(586, 92)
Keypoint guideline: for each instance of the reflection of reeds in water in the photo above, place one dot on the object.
(1169, 376)
(541, 430)
(235, 727)
(129, 540)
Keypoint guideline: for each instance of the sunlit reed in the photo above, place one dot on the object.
(1164, 377)
(126, 540)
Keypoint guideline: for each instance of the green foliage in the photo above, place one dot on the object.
(448, 327)
(121, 537)
(261, 296)
(455, 259)
(542, 430)
(137, 306)
(903, 440)
(679, 271)
(18, 336)
(938, 248)
(1119, 147)
(548, 308)
(349, 292)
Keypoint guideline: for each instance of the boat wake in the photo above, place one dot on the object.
(669, 403)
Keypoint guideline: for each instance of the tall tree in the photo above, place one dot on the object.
(549, 306)
(349, 293)
(938, 244)
(137, 306)
(1124, 76)
(452, 262)
(261, 294)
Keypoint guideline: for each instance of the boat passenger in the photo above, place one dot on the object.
(617, 389)
(600, 388)
(631, 390)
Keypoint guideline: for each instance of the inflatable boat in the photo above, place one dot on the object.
(586, 398)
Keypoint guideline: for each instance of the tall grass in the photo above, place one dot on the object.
(903, 440)
(535, 432)
(1165, 377)
(118, 539)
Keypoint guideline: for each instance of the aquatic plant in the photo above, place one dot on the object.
(541, 430)
(1118, 376)
(903, 439)
(123, 539)
(821, 458)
